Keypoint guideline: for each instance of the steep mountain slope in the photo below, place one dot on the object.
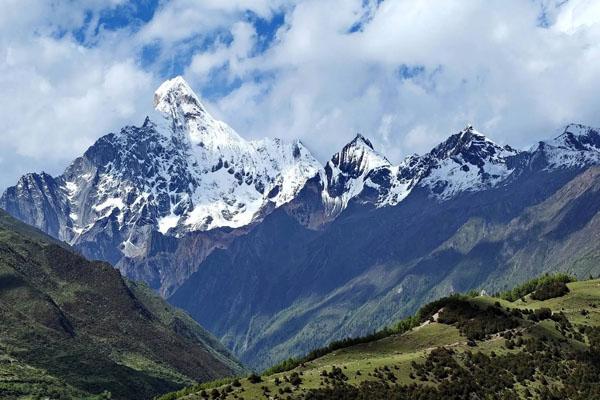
(72, 328)
(455, 348)
(348, 171)
(291, 288)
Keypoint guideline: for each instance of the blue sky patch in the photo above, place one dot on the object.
(410, 71)
(266, 29)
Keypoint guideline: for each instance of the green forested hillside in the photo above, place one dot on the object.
(72, 329)
(459, 347)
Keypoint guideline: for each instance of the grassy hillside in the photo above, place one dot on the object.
(71, 328)
(460, 347)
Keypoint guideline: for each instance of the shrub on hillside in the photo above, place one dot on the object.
(541, 314)
(253, 378)
(550, 290)
(474, 322)
(535, 284)
(295, 379)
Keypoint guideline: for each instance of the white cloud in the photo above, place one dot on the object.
(233, 55)
(61, 97)
(577, 14)
(181, 19)
(491, 64)
(413, 73)
(58, 96)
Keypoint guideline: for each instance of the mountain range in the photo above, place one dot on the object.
(276, 253)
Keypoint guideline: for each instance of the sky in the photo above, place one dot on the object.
(406, 74)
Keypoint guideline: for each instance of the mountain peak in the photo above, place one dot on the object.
(358, 140)
(172, 89)
(577, 129)
(189, 121)
(347, 170)
(580, 135)
(470, 133)
(174, 97)
(578, 138)
(358, 154)
(467, 142)
(464, 138)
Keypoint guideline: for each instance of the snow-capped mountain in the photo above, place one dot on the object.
(187, 172)
(346, 174)
(466, 161)
(576, 145)
(232, 180)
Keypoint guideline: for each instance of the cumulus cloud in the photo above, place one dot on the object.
(182, 19)
(59, 95)
(404, 73)
(415, 72)
(67, 78)
(232, 56)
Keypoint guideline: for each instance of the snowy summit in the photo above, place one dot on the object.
(189, 172)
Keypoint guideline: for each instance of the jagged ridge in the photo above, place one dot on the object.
(189, 172)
